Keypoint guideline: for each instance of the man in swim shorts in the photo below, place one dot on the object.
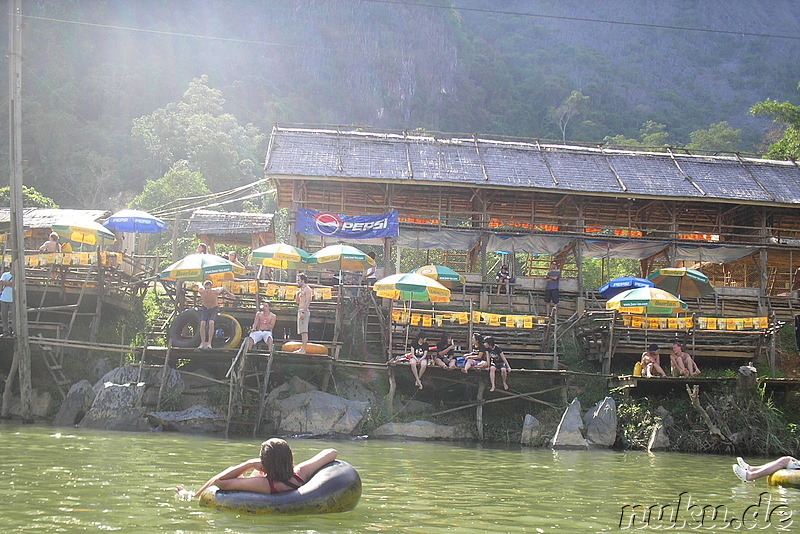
(209, 296)
(263, 324)
(303, 299)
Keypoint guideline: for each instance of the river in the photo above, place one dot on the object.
(73, 480)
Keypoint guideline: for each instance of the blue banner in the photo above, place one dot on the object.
(347, 226)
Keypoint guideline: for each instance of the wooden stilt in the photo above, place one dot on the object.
(164, 375)
(479, 411)
(262, 396)
(392, 389)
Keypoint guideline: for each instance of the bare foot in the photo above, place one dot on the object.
(696, 373)
(419, 385)
(299, 351)
(464, 371)
(491, 389)
(505, 386)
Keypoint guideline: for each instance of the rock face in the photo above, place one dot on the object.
(77, 402)
(530, 430)
(357, 391)
(41, 404)
(317, 413)
(195, 420)
(117, 407)
(658, 438)
(150, 376)
(568, 434)
(601, 423)
(424, 430)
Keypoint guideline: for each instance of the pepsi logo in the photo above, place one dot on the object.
(327, 223)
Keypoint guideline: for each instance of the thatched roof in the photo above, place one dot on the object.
(47, 217)
(208, 222)
(321, 153)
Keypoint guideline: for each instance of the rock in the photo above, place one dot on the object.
(78, 401)
(658, 438)
(601, 423)
(665, 416)
(356, 390)
(568, 434)
(101, 368)
(150, 377)
(195, 420)
(416, 407)
(317, 413)
(424, 430)
(287, 389)
(531, 430)
(117, 407)
(41, 404)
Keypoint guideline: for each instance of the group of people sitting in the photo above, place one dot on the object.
(681, 362)
(484, 354)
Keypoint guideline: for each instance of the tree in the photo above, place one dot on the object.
(651, 134)
(197, 130)
(787, 115)
(719, 137)
(575, 104)
(178, 182)
(31, 198)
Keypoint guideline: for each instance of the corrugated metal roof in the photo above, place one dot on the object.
(331, 153)
(223, 223)
(46, 217)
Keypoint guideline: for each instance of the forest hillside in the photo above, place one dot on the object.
(118, 93)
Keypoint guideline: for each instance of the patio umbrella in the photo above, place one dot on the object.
(647, 300)
(198, 267)
(412, 287)
(281, 256)
(623, 283)
(444, 275)
(86, 231)
(135, 221)
(342, 258)
(686, 283)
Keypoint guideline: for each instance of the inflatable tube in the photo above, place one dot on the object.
(227, 332)
(334, 488)
(788, 478)
(184, 332)
(311, 348)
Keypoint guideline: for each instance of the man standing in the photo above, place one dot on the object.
(209, 296)
(303, 299)
(263, 324)
(551, 288)
(7, 304)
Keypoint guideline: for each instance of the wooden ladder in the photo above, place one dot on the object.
(54, 360)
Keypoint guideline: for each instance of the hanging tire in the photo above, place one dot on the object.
(227, 332)
(184, 332)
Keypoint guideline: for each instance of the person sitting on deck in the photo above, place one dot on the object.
(418, 357)
(445, 352)
(273, 472)
(263, 324)
(209, 296)
(749, 473)
(51, 245)
(476, 359)
(234, 258)
(682, 363)
(497, 360)
(651, 362)
(504, 278)
(202, 248)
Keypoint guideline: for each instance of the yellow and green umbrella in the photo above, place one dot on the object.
(87, 232)
(281, 256)
(412, 287)
(444, 275)
(342, 258)
(686, 283)
(198, 267)
(646, 300)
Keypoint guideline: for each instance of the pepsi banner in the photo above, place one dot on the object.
(347, 226)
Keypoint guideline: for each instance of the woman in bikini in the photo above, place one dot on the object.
(273, 472)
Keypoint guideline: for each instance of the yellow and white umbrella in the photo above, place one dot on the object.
(411, 287)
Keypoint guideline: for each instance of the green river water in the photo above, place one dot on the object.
(73, 480)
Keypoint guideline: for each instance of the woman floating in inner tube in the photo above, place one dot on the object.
(274, 472)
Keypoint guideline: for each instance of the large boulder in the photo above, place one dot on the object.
(318, 413)
(118, 407)
(41, 404)
(531, 430)
(356, 390)
(78, 401)
(601, 423)
(568, 434)
(195, 420)
(658, 438)
(151, 377)
(423, 430)
(415, 407)
(294, 386)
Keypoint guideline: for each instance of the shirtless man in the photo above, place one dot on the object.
(263, 324)
(51, 245)
(681, 362)
(209, 296)
(303, 299)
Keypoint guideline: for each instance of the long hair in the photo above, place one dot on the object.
(477, 340)
(277, 459)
